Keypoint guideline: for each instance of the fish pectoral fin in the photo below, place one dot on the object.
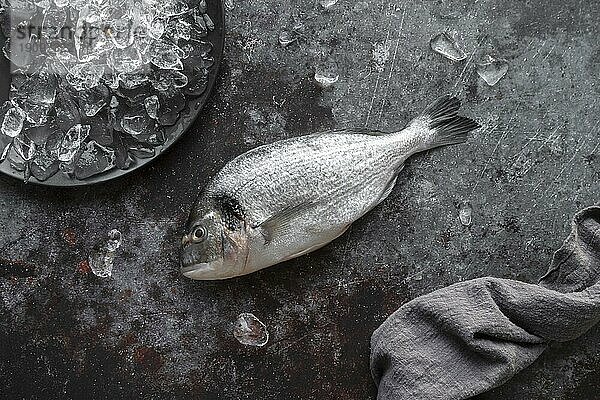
(280, 222)
(319, 245)
(361, 131)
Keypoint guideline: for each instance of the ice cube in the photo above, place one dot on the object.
(25, 147)
(210, 25)
(171, 104)
(67, 110)
(5, 146)
(12, 120)
(152, 105)
(328, 3)
(445, 45)
(86, 75)
(96, 159)
(101, 260)
(126, 60)
(165, 80)
(93, 100)
(54, 21)
(141, 151)
(492, 70)
(172, 8)
(121, 28)
(326, 78)
(90, 35)
(465, 213)
(72, 141)
(167, 55)
(286, 38)
(250, 331)
(44, 166)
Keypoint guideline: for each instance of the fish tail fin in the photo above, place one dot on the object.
(441, 125)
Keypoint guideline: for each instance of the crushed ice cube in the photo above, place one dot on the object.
(328, 3)
(93, 100)
(250, 331)
(94, 160)
(12, 121)
(24, 147)
(126, 60)
(286, 38)
(101, 261)
(445, 45)
(465, 214)
(72, 141)
(85, 75)
(492, 70)
(152, 105)
(167, 55)
(326, 79)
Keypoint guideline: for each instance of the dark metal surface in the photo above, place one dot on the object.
(172, 133)
(148, 333)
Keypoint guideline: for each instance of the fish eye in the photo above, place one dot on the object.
(199, 234)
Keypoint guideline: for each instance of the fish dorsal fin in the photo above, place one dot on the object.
(361, 131)
(280, 222)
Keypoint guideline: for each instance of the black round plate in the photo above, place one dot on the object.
(172, 133)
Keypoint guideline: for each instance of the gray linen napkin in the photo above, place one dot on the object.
(470, 337)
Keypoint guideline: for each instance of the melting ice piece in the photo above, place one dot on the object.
(152, 105)
(446, 46)
(12, 123)
(465, 214)
(71, 142)
(492, 70)
(101, 261)
(328, 3)
(250, 331)
(326, 78)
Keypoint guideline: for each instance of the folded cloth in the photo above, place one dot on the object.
(470, 337)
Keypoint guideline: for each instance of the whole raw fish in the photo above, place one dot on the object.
(288, 198)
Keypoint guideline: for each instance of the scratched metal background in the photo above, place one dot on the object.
(148, 333)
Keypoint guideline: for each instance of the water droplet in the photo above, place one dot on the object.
(326, 78)
(250, 331)
(465, 214)
(492, 70)
(446, 46)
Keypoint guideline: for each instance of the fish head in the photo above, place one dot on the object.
(211, 249)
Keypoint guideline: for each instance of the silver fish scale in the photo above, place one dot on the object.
(342, 175)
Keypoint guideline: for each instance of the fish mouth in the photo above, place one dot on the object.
(196, 271)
